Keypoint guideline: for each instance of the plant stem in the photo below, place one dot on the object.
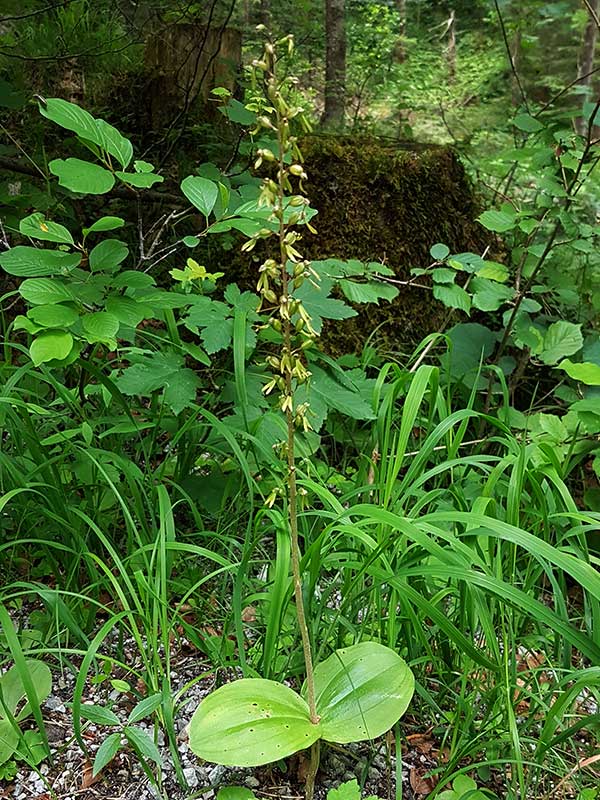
(291, 433)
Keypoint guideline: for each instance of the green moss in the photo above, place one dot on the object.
(382, 202)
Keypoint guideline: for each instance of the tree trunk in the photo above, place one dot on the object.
(588, 51)
(451, 48)
(335, 64)
(400, 49)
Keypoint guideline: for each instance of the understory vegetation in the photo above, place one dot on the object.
(365, 546)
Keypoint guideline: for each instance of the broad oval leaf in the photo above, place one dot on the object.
(107, 255)
(201, 193)
(33, 262)
(361, 691)
(561, 339)
(114, 142)
(72, 117)
(9, 740)
(53, 315)
(587, 372)
(42, 291)
(497, 221)
(13, 689)
(100, 326)
(104, 224)
(38, 227)
(439, 251)
(50, 346)
(82, 177)
(251, 722)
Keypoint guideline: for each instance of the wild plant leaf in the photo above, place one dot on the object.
(33, 262)
(141, 742)
(107, 255)
(201, 193)
(471, 343)
(180, 389)
(144, 708)
(82, 177)
(527, 123)
(141, 180)
(235, 793)
(114, 142)
(100, 326)
(251, 722)
(42, 291)
(127, 310)
(72, 117)
(371, 292)
(50, 346)
(100, 715)
(493, 271)
(106, 752)
(361, 692)
(489, 295)
(452, 296)
(586, 372)
(439, 251)
(38, 227)
(338, 397)
(55, 315)
(497, 221)
(104, 224)
(561, 339)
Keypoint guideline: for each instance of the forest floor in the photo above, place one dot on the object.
(68, 775)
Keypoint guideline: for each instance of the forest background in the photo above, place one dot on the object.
(316, 369)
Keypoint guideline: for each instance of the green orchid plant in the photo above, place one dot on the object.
(359, 692)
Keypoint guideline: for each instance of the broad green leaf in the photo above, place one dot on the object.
(471, 343)
(132, 279)
(143, 166)
(115, 143)
(238, 113)
(439, 251)
(493, 271)
(341, 398)
(371, 292)
(41, 291)
(107, 255)
(140, 740)
(201, 193)
(586, 372)
(72, 117)
(141, 180)
(127, 310)
(251, 722)
(106, 752)
(489, 295)
(13, 689)
(498, 221)
(50, 346)
(217, 336)
(452, 296)
(443, 275)
(527, 123)
(561, 339)
(144, 708)
(180, 389)
(235, 793)
(361, 691)
(53, 315)
(9, 739)
(38, 227)
(33, 262)
(104, 224)
(99, 714)
(350, 790)
(82, 177)
(100, 327)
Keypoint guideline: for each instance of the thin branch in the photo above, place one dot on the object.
(63, 4)
(510, 56)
